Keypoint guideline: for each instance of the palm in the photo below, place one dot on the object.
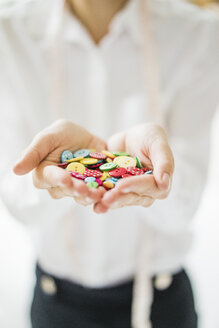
(134, 142)
(71, 137)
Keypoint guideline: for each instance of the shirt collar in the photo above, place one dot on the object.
(128, 20)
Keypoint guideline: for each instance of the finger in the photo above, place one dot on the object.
(110, 197)
(116, 195)
(46, 176)
(40, 147)
(99, 208)
(93, 196)
(83, 201)
(96, 193)
(130, 199)
(56, 192)
(163, 162)
(143, 185)
(116, 142)
(80, 188)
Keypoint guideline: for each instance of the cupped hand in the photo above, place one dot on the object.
(149, 143)
(44, 153)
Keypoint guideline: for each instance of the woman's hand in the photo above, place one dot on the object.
(44, 153)
(149, 143)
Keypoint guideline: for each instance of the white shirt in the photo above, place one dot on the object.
(104, 91)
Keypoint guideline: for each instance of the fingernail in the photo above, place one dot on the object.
(76, 194)
(89, 200)
(166, 180)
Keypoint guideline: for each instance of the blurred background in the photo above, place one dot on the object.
(18, 258)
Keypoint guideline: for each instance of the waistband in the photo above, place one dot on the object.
(78, 295)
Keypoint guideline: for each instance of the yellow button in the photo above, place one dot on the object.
(108, 153)
(76, 167)
(125, 161)
(109, 160)
(76, 159)
(104, 176)
(89, 161)
(48, 285)
(108, 184)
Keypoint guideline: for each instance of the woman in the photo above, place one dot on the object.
(100, 56)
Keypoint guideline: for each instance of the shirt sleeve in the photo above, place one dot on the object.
(194, 100)
(18, 125)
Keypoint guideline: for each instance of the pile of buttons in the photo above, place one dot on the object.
(101, 168)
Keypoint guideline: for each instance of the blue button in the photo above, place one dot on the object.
(110, 180)
(66, 155)
(90, 179)
(81, 153)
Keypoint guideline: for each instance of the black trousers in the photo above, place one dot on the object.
(73, 306)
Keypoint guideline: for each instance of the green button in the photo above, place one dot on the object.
(120, 153)
(108, 166)
(92, 184)
(138, 164)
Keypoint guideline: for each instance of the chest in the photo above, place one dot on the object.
(104, 88)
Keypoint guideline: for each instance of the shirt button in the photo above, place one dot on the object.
(163, 281)
(48, 285)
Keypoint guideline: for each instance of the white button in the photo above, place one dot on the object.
(163, 281)
(48, 285)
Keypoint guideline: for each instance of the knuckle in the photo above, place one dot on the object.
(81, 201)
(36, 181)
(148, 202)
(36, 155)
(67, 181)
(167, 165)
(115, 207)
(54, 194)
(163, 195)
(47, 137)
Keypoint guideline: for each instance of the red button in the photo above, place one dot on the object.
(146, 169)
(135, 171)
(126, 175)
(116, 173)
(93, 173)
(77, 175)
(98, 155)
(100, 182)
(63, 165)
(95, 166)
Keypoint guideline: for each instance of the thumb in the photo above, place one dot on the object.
(163, 162)
(116, 142)
(40, 147)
